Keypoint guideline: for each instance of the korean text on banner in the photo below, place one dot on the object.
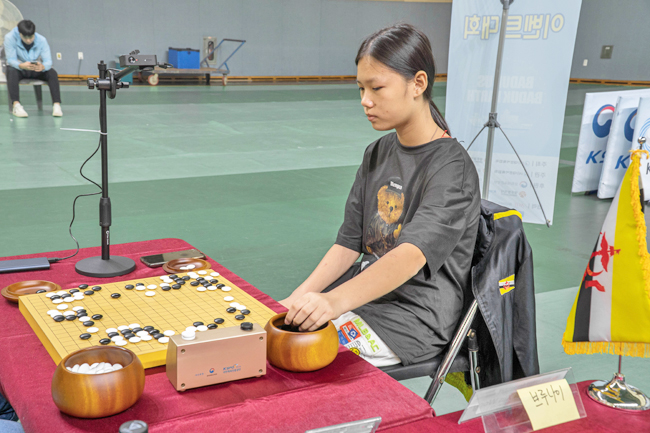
(643, 130)
(537, 55)
(619, 144)
(597, 115)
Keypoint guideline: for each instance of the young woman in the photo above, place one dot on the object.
(412, 212)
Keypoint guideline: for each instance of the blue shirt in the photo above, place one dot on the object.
(17, 53)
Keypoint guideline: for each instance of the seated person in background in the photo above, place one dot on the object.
(413, 213)
(23, 48)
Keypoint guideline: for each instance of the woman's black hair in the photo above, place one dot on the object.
(405, 50)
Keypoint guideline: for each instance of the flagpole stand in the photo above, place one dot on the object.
(618, 394)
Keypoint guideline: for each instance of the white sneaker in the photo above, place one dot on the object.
(19, 111)
(56, 110)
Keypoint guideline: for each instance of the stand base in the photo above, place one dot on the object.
(618, 395)
(99, 268)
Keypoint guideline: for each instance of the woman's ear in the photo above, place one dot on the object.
(420, 81)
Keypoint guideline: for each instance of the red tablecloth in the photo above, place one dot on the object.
(349, 389)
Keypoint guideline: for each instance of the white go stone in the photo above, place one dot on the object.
(62, 307)
(121, 342)
(92, 330)
(141, 333)
(183, 268)
(122, 327)
(169, 333)
(163, 340)
(77, 308)
(241, 307)
(193, 275)
(140, 288)
(62, 292)
(190, 329)
(75, 369)
(150, 293)
(117, 338)
(146, 337)
(202, 328)
(109, 330)
(68, 313)
(190, 267)
(211, 288)
(226, 289)
(52, 312)
(152, 286)
(117, 367)
(214, 274)
(134, 340)
(84, 319)
(234, 304)
(228, 298)
(134, 325)
(78, 297)
(50, 294)
(202, 272)
(83, 368)
(201, 289)
(57, 301)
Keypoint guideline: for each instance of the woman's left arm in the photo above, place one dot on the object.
(395, 268)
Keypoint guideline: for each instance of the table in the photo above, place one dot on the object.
(349, 389)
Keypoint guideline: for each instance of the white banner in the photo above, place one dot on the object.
(597, 115)
(643, 130)
(537, 56)
(619, 144)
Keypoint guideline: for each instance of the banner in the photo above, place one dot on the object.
(597, 115)
(643, 130)
(619, 144)
(537, 56)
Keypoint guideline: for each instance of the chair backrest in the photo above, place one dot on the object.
(502, 284)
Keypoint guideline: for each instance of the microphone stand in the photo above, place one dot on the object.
(106, 266)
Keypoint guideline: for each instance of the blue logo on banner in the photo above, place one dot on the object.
(602, 130)
(643, 132)
(627, 129)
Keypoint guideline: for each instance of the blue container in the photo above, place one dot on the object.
(184, 58)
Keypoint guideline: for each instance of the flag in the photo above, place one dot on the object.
(611, 313)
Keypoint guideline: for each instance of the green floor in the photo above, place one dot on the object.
(256, 177)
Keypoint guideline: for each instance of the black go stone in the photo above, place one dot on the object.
(246, 312)
(88, 323)
(73, 290)
(200, 279)
(113, 334)
(115, 295)
(214, 281)
(136, 330)
(84, 336)
(246, 326)
(181, 282)
(205, 284)
(139, 284)
(104, 341)
(97, 288)
(186, 278)
(70, 317)
(97, 316)
(148, 328)
(176, 286)
(193, 283)
(240, 317)
(212, 326)
(166, 288)
(89, 292)
(172, 276)
(157, 336)
(219, 320)
(55, 297)
(83, 286)
(81, 313)
(58, 318)
(41, 291)
(129, 335)
(231, 310)
(153, 332)
(129, 287)
(197, 323)
(125, 331)
(220, 286)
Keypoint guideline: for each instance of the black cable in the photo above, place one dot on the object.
(58, 259)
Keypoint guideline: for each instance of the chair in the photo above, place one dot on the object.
(38, 89)
(490, 247)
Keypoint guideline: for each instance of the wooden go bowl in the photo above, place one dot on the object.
(98, 395)
(300, 351)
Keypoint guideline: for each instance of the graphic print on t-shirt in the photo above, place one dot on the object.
(385, 225)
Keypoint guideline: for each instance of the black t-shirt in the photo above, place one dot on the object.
(427, 196)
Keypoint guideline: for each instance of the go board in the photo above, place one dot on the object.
(167, 309)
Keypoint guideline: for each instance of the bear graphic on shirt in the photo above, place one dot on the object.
(384, 227)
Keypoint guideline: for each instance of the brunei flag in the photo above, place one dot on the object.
(611, 313)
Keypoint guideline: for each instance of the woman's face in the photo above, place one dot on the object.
(387, 98)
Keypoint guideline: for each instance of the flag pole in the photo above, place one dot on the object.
(618, 394)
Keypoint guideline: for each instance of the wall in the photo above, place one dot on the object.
(284, 37)
(619, 23)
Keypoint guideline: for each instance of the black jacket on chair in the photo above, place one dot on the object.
(505, 327)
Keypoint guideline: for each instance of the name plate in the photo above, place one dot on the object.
(549, 404)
